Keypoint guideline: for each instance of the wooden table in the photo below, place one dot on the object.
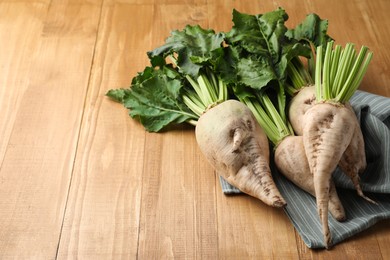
(80, 180)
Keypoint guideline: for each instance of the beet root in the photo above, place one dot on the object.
(238, 149)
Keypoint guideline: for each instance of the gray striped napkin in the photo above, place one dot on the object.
(373, 112)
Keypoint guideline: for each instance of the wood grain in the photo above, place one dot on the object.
(38, 161)
(106, 184)
(79, 179)
(16, 59)
(178, 213)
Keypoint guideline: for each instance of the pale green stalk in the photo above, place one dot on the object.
(326, 86)
(318, 78)
(207, 90)
(357, 79)
(263, 119)
(298, 75)
(336, 54)
(341, 73)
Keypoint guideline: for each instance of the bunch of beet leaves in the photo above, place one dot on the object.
(260, 83)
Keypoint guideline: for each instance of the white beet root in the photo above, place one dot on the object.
(353, 161)
(327, 132)
(298, 106)
(238, 149)
(291, 161)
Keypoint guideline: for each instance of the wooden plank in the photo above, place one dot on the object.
(102, 215)
(382, 231)
(178, 217)
(16, 59)
(249, 229)
(39, 156)
(169, 17)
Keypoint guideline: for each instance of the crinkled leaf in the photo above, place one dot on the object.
(193, 47)
(290, 50)
(225, 64)
(313, 30)
(246, 33)
(259, 34)
(261, 49)
(118, 94)
(155, 99)
(242, 92)
(142, 76)
(261, 52)
(254, 73)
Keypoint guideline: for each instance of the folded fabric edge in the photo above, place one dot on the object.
(227, 188)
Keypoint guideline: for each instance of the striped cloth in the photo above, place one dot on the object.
(373, 112)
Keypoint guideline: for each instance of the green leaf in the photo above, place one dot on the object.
(312, 30)
(194, 47)
(117, 94)
(290, 51)
(255, 73)
(246, 33)
(261, 49)
(155, 99)
(242, 92)
(225, 64)
(260, 54)
(142, 76)
(259, 34)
